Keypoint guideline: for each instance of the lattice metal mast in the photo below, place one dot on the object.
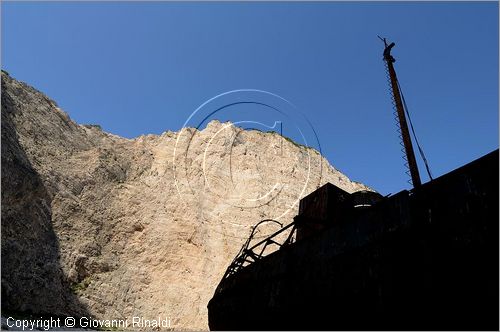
(403, 126)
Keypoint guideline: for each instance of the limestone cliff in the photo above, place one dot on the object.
(96, 224)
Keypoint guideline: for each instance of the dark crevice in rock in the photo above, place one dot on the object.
(32, 278)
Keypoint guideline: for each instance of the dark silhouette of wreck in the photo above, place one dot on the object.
(424, 259)
(417, 260)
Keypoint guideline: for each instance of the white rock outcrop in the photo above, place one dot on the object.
(135, 227)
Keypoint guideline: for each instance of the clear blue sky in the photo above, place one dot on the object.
(137, 68)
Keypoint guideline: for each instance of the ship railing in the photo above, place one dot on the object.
(248, 255)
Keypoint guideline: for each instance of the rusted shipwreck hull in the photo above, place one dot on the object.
(421, 259)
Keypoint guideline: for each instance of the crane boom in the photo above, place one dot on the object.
(410, 155)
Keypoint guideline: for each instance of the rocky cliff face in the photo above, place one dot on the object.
(96, 224)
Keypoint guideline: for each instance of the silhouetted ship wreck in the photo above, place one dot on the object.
(425, 258)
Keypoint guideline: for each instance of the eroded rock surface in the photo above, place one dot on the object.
(96, 224)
